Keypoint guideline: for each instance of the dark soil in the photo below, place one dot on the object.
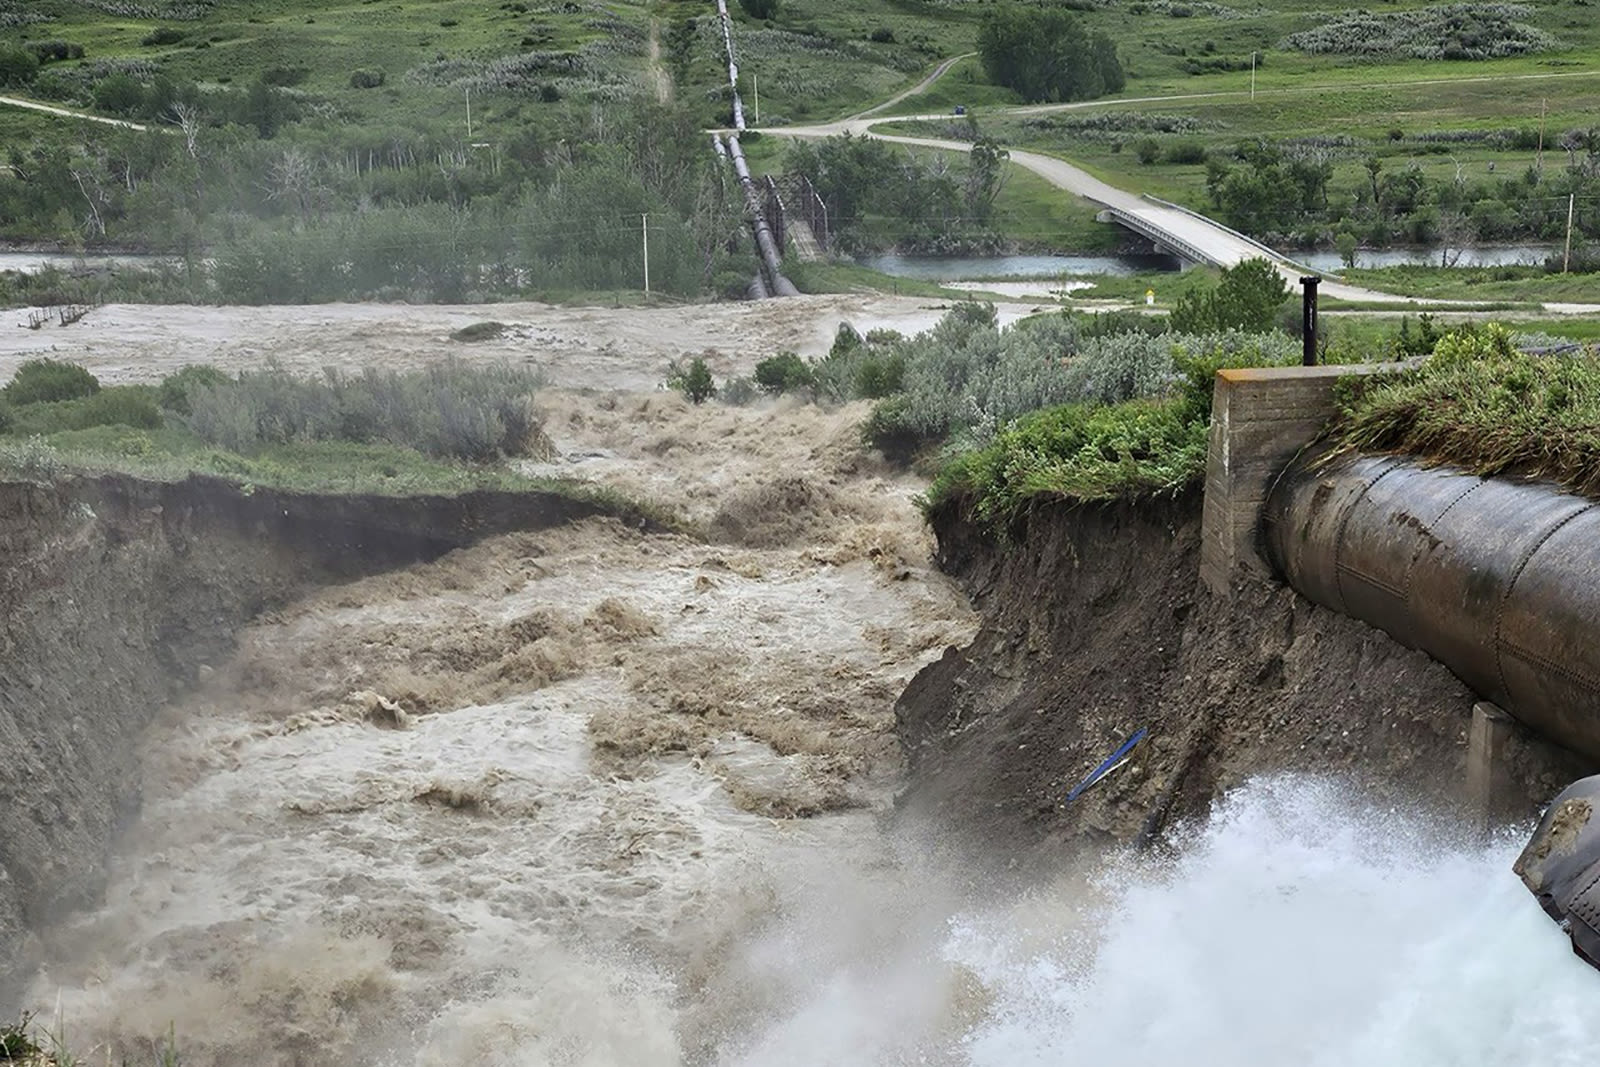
(1095, 625)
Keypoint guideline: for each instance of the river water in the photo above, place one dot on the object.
(638, 812)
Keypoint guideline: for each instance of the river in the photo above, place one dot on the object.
(641, 812)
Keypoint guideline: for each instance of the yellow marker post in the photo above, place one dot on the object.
(1150, 297)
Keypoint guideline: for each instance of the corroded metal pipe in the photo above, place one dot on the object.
(1499, 580)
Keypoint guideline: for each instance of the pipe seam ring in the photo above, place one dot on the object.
(1344, 523)
(1511, 587)
(1429, 529)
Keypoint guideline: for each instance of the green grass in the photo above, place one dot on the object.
(319, 467)
(963, 85)
(1079, 453)
(1480, 404)
(1284, 110)
(1480, 283)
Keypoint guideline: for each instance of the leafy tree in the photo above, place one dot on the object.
(17, 66)
(759, 9)
(784, 373)
(119, 94)
(1346, 243)
(696, 382)
(986, 176)
(40, 381)
(1045, 54)
(1247, 297)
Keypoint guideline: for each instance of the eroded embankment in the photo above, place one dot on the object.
(1095, 625)
(115, 595)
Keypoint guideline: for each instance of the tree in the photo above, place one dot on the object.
(759, 9)
(17, 66)
(1345, 242)
(1045, 54)
(119, 94)
(986, 176)
(1247, 297)
(696, 382)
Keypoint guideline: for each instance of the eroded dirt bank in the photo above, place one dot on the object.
(117, 594)
(1095, 626)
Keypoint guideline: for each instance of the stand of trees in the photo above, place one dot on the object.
(1046, 55)
(324, 212)
(880, 196)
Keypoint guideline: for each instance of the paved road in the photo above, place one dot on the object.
(1220, 244)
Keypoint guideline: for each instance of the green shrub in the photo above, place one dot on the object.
(32, 459)
(1147, 150)
(367, 78)
(1078, 453)
(447, 410)
(122, 405)
(878, 376)
(18, 66)
(784, 373)
(55, 51)
(1246, 297)
(693, 381)
(173, 393)
(760, 9)
(163, 35)
(7, 418)
(44, 380)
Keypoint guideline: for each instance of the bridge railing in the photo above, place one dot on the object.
(1272, 253)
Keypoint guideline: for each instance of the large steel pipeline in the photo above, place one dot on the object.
(1497, 579)
(771, 257)
(770, 281)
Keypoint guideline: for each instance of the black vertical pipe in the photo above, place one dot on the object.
(1308, 320)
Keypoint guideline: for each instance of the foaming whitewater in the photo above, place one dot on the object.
(1296, 926)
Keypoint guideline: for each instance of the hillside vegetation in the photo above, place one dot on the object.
(314, 150)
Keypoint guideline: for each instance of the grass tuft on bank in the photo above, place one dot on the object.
(1481, 403)
(446, 429)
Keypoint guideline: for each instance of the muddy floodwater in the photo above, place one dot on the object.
(594, 796)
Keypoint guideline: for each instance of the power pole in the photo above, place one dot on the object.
(1539, 163)
(1252, 75)
(757, 79)
(644, 226)
(469, 114)
(1566, 257)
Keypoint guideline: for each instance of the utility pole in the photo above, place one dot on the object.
(1252, 75)
(757, 79)
(1566, 257)
(469, 114)
(1539, 164)
(644, 227)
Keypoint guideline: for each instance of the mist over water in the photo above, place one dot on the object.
(1294, 926)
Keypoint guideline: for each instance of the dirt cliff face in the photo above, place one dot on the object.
(114, 596)
(1095, 626)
